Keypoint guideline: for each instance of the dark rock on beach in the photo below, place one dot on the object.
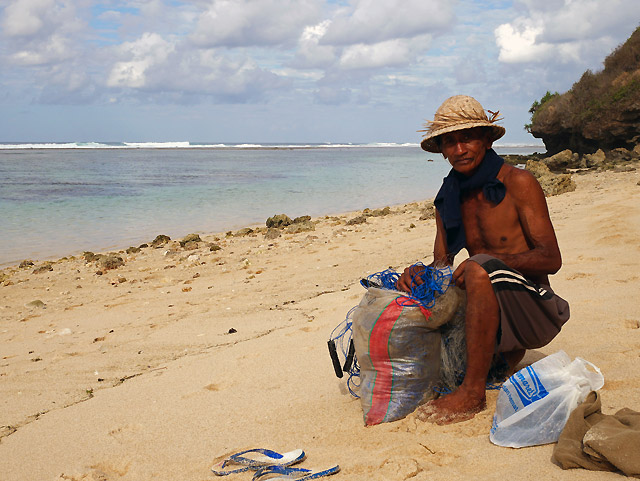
(26, 263)
(160, 240)
(552, 184)
(280, 220)
(89, 256)
(377, 212)
(243, 232)
(190, 241)
(361, 219)
(303, 226)
(110, 261)
(272, 233)
(562, 161)
(567, 161)
(37, 304)
(43, 268)
(428, 212)
(517, 159)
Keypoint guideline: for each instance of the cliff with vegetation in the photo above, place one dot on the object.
(601, 111)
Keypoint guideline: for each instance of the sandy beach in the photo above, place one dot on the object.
(156, 369)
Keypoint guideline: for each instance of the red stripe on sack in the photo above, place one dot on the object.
(379, 354)
(380, 360)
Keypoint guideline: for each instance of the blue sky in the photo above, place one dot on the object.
(287, 70)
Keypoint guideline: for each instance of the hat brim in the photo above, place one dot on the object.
(430, 145)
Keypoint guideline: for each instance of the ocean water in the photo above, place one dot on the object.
(62, 199)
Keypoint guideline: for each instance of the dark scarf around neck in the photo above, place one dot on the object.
(448, 200)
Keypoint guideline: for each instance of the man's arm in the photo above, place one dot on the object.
(441, 255)
(441, 258)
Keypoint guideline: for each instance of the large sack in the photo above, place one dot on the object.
(397, 344)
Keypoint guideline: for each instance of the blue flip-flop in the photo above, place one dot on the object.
(286, 473)
(254, 459)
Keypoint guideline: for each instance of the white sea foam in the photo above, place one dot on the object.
(157, 145)
(191, 145)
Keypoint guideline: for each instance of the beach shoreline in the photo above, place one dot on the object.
(155, 368)
(62, 202)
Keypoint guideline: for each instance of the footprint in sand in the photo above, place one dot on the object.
(127, 432)
(614, 239)
(630, 279)
(209, 388)
(590, 259)
(579, 275)
(442, 458)
(400, 468)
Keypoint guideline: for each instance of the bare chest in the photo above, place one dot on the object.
(491, 227)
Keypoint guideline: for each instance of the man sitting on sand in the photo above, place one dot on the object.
(499, 214)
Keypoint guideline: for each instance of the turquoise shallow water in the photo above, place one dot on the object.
(57, 202)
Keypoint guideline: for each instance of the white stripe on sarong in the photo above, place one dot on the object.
(509, 276)
(509, 273)
(516, 281)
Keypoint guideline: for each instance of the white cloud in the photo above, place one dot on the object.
(375, 21)
(41, 32)
(158, 66)
(150, 49)
(56, 49)
(210, 72)
(517, 43)
(234, 23)
(26, 17)
(565, 30)
(310, 53)
(383, 54)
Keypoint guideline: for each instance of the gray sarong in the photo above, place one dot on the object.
(531, 315)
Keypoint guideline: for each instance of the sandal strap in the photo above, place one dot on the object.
(272, 455)
(298, 474)
(269, 458)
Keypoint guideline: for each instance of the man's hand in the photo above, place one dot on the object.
(458, 274)
(410, 277)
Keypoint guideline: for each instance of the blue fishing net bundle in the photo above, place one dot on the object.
(427, 283)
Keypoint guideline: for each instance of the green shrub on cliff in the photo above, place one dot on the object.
(602, 109)
(536, 105)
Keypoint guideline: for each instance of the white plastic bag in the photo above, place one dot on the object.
(534, 404)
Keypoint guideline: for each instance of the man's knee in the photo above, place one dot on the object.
(475, 274)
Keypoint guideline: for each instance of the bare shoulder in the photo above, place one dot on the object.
(519, 182)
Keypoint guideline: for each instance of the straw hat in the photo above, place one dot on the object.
(458, 113)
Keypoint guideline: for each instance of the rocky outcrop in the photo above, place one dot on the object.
(280, 220)
(277, 223)
(552, 184)
(567, 160)
(602, 110)
(190, 242)
(160, 240)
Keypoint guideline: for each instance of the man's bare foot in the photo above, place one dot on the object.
(453, 408)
